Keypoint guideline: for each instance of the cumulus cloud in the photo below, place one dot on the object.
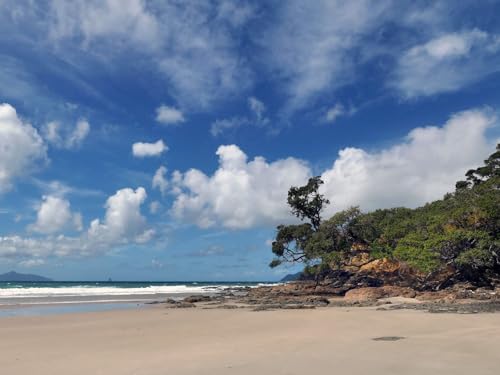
(122, 224)
(160, 181)
(21, 147)
(240, 194)
(64, 136)
(123, 220)
(169, 115)
(54, 215)
(447, 63)
(143, 149)
(422, 167)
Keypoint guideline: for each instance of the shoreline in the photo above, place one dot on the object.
(286, 296)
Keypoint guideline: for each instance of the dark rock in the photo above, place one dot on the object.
(197, 298)
(172, 303)
(282, 306)
(388, 338)
(455, 308)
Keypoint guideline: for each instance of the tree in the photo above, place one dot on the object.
(291, 240)
(459, 233)
(306, 201)
(490, 169)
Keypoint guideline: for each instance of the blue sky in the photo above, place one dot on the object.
(156, 140)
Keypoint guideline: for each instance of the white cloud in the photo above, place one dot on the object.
(21, 147)
(240, 193)
(126, 21)
(80, 132)
(142, 149)
(194, 45)
(256, 118)
(123, 224)
(333, 113)
(169, 115)
(54, 215)
(160, 182)
(154, 207)
(25, 248)
(123, 220)
(220, 126)
(338, 110)
(61, 189)
(447, 63)
(258, 108)
(28, 263)
(311, 46)
(421, 168)
(64, 136)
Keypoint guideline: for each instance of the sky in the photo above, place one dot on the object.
(157, 140)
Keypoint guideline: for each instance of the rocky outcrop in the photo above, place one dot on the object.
(374, 294)
(360, 272)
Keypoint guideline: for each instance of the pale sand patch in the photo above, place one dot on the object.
(158, 341)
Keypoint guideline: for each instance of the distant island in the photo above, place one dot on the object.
(14, 276)
(291, 277)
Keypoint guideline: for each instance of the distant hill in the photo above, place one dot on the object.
(291, 277)
(14, 276)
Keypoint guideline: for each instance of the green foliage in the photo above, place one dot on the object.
(419, 252)
(306, 202)
(293, 242)
(462, 230)
(475, 258)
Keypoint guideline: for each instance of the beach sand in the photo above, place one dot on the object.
(156, 340)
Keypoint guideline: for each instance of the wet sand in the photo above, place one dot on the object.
(156, 340)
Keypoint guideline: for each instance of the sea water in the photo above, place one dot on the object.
(37, 298)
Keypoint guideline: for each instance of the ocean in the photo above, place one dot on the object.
(17, 297)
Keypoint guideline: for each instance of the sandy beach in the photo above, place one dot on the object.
(157, 341)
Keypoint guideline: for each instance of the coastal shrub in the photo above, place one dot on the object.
(461, 230)
(418, 253)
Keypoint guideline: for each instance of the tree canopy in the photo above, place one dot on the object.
(461, 230)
